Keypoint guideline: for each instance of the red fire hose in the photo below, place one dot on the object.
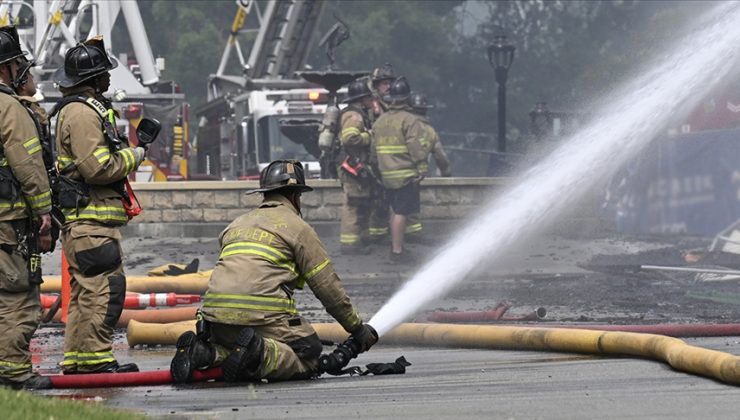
(497, 314)
(457, 316)
(107, 380)
(140, 300)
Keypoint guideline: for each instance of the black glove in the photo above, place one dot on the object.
(365, 336)
(173, 270)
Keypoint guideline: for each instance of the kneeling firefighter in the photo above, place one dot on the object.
(248, 323)
(93, 162)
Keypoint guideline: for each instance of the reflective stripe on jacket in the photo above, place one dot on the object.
(20, 150)
(265, 255)
(80, 140)
(397, 147)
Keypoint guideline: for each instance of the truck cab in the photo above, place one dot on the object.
(262, 126)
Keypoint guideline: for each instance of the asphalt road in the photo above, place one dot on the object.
(450, 383)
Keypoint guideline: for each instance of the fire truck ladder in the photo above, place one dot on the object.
(284, 40)
(286, 32)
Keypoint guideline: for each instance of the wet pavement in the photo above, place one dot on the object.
(443, 383)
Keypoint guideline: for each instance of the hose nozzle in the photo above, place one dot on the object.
(333, 363)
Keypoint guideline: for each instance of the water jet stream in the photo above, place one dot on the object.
(633, 116)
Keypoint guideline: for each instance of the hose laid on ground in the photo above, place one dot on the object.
(187, 283)
(496, 314)
(679, 355)
(158, 316)
(671, 330)
(149, 377)
(138, 300)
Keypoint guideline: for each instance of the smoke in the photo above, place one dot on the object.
(630, 118)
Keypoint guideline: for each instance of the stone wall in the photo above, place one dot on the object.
(221, 202)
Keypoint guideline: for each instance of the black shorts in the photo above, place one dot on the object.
(405, 200)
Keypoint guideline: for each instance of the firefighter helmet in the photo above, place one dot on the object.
(357, 89)
(10, 45)
(384, 72)
(282, 175)
(400, 91)
(419, 101)
(83, 62)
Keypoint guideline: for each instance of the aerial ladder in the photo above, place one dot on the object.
(286, 31)
(238, 127)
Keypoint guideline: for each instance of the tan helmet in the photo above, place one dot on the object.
(384, 72)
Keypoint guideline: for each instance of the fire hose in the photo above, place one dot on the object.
(158, 316)
(151, 377)
(496, 314)
(186, 283)
(679, 355)
(139, 300)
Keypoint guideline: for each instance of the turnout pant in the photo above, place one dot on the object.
(98, 292)
(291, 347)
(364, 211)
(413, 224)
(20, 310)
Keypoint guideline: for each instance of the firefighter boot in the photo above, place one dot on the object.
(244, 360)
(192, 354)
(34, 382)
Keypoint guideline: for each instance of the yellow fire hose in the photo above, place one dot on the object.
(196, 283)
(679, 355)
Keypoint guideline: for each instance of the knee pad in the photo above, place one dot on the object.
(117, 285)
(307, 348)
(98, 260)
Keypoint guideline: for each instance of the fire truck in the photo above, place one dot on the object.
(48, 28)
(270, 110)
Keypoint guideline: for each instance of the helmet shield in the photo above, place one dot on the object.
(83, 62)
(282, 175)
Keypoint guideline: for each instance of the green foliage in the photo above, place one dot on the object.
(22, 405)
(191, 36)
(412, 35)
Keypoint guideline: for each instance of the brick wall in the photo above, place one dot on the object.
(222, 202)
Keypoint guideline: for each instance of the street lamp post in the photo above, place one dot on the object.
(500, 56)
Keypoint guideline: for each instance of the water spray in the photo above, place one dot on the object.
(634, 116)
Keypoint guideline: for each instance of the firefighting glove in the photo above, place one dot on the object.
(365, 336)
(139, 153)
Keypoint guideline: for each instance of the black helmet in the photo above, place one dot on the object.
(282, 175)
(419, 101)
(400, 91)
(83, 62)
(384, 72)
(358, 89)
(10, 45)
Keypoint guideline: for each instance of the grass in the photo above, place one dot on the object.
(23, 405)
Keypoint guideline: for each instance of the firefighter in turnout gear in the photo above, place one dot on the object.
(401, 160)
(249, 323)
(25, 198)
(92, 168)
(433, 147)
(380, 83)
(360, 186)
